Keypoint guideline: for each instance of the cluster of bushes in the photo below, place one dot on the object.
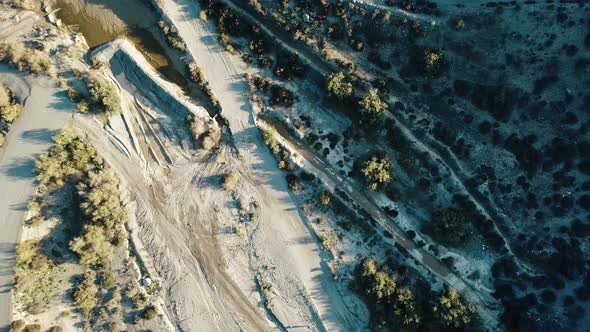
(86, 294)
(70, 157)
(206, 133)
(26, 59)
(172, 37)
(289, 66)
(196, 75)
(394, 307)
(268, 136)
(9, 111)
(280, 96)
(75, 161)
(103, 93)
(105, 217)
(34, 276)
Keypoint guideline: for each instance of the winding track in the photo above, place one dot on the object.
(46, 111)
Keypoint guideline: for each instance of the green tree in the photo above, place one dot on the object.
(35, 276)
(372, 105)
(338, 86)
(85, 294)
(451, 311)
(450, 227)
(405, 307)
(382, 286)
(104, 93)
(377, 171)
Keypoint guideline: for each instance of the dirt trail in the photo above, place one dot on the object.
(486, 303)
(199, 295)
(47, 109)
(281, 241)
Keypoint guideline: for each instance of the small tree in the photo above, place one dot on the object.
(372, 105)
(450, 226)
(376, 171)
(325, 198)
(405, 307)
(451, 311)
(338, 86)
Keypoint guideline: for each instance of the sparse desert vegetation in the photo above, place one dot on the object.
(430, 170)
(103, 93)
(9, 111)
(26, 59)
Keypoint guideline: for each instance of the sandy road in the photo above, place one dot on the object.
(281, 240)
(47, 109)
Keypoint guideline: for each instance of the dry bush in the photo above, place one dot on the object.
(150, 312)
(4, 96)
(17, 325)
(207, 133)
(230, 180)
(25, 59)
(21, 4)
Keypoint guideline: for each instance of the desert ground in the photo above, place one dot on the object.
(225, 165)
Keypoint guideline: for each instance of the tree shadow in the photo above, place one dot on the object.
(22, 168)
(39, 136)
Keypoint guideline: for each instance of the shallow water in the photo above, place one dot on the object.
(101, 21)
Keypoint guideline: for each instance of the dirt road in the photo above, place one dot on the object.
(281, 240)
(47, 109)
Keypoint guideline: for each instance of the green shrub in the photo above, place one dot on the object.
(34, 276)
(70, 156)
(325, 198)
(5, 97)
(338, 86)
(103, 93)
(11, 112)
(22, 4)
(139, 299)
(372, 105)
(32, 328)
(86, 295)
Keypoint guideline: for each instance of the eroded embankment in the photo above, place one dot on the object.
(165, 203)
